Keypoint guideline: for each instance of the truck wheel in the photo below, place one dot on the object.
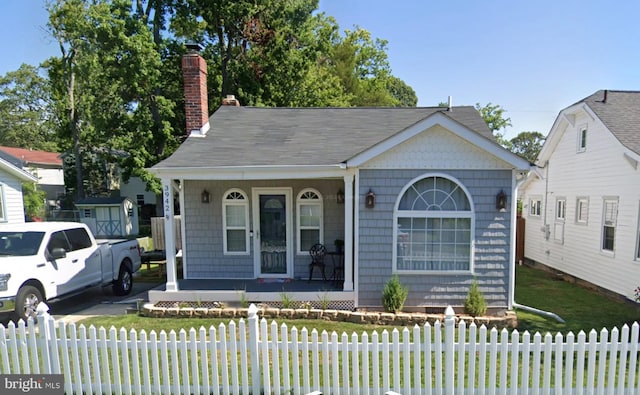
(124, 283)
(27, 301)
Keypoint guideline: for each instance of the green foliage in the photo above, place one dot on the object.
(394, 295)
(34, 201)
(493, 116)
(287, 301)
(527, 144)
(25, 110)
(324, 300)
(475, 303)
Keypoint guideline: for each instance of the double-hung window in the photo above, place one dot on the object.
(609, 218)
(433, 227)
(310, 223)
(582, 210)
(235, 222)
(535, 206)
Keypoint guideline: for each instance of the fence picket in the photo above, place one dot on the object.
(602, 359)
(233, 354)
(633, 353)
(93, 351)
(275, 359)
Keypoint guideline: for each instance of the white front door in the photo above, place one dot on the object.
(272, 223)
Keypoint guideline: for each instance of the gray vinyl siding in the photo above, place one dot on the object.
(491, 252)
(204, 233)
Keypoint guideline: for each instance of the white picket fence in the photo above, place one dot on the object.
(256, 357)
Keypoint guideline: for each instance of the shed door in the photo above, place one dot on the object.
(272, 226)
(108, 221)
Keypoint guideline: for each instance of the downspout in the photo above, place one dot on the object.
(512, 274)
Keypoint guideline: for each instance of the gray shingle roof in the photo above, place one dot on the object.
(620, 114)
(259, 136)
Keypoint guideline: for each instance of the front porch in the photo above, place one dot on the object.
(266, 291)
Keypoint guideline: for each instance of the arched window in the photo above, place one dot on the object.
(433, 226)
(235, 222)
(309, 219)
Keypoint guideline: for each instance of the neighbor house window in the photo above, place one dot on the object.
(309, 219)
(140, 200)
(561, 209)
(582, 210)
(609, 217)
(582, 139)
(88, 213)
(3, 214)
(235, 222)
(433, 226)
(534, 206)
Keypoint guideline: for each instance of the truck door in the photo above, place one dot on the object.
(63, 268)
(71, 272)
(87, 257)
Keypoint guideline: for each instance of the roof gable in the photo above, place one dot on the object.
(619, 112)
(463, 134)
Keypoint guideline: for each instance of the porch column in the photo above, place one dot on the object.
(169, 236)
(348, 232)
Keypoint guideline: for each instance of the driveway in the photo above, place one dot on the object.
(97, 301)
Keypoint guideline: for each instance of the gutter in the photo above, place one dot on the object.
(512, 293)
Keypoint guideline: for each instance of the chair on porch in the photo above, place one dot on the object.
(317, 252)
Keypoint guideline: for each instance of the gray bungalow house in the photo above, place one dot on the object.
(425, 193)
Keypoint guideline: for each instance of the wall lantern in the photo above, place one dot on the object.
(501, 201)
(205, 197)
(340, 196)
(370, 199)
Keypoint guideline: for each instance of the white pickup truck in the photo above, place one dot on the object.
(46, 260)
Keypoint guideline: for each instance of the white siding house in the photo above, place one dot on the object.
(11, 203)
(582, 208)
(45, 166)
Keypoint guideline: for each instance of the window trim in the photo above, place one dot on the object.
(299, 228)
(578, 211)
(614, 200)
(581, 144)
(4, 215)
(561, 213)
(471, 215)
(235, 202)
(637, 255)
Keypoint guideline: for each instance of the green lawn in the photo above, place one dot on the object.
(582, 309)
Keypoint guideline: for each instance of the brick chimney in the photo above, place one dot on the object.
(194, 72)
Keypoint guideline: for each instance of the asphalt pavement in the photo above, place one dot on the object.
(98, 301)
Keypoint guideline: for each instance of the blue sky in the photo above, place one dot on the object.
(533, 58)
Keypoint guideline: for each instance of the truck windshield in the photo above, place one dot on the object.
(20, 243)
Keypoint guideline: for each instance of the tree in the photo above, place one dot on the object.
(106, 89)
(34, 201)
(527, 144)
(25, 110)
(493, 115)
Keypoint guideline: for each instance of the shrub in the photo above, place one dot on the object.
(475, 304)
(286, 300)
(394, 295)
